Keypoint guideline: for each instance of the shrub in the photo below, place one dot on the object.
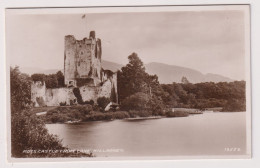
(63, 114)
(146, 104)
(63, 103)
(156, 106)
(235, 105)
(29, 132)
(177, 114)
(20, 86)
(96, 107)
(170, 114)
(142, 113)
(103, 102)
(87, 108)
(91, 102)
(96, 116)
(120, 115)
(138, 101)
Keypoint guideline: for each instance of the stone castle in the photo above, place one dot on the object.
(82, 70)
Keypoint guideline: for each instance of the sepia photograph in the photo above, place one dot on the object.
(127, 83)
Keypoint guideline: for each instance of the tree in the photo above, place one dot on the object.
(51, 80)
(156, 105)
(60, 79)
(103, 102)
(27, 131)
(38, 77)
(184, 80)
(230, 96)
(77, 94)
(132, 78)
(137, 90)
(20, 90)
(138, 101)
(113, 96)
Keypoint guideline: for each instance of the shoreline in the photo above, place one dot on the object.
(75, 115)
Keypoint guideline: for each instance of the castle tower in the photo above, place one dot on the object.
(82, 60)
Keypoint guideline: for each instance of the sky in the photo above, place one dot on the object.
(207, 41)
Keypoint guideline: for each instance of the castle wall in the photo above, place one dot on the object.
(41, 96)
(56, 96)
(109, 86)
(105, 89)
(38, 90)
(88, 93)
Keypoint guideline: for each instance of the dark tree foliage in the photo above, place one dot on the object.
(84, 81)
(51, 80)
(103, 102)
(113, 96)
(138, 101)
(27, 131)
(60, 79)
(77, 94)
(137, 88)
(230, 96)
(38, 77)
(143, 102)
(20, 85)
(132, 78)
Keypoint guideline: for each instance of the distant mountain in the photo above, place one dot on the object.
(166, 73)
(111, 65)
(33, 70)
(172, 73)
(216, 78)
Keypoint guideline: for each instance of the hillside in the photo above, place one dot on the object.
(172, 73)
(166, 73)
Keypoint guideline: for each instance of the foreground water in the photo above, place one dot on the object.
(205, 134)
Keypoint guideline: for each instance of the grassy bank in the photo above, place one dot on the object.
(82, 113)
(64, 114)
(177, 114)
(42, 109)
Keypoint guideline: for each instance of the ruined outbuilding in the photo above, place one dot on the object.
(83, 71)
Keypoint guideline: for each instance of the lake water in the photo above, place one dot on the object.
(205, 134)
